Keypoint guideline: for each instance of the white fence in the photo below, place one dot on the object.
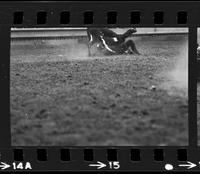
(31, 33)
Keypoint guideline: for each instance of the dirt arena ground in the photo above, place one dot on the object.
(61, 97)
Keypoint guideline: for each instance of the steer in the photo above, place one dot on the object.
(95, 36)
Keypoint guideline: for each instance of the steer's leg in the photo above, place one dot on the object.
(131, 44)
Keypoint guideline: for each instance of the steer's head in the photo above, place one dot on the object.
(130, 32)
(133, 30)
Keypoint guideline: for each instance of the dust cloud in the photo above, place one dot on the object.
(75, 51)
(176, 78)
(71, 49)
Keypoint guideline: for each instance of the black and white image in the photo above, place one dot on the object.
(99, 86)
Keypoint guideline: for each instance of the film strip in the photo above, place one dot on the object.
(99, 86)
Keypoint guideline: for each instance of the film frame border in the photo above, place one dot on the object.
(122, 9)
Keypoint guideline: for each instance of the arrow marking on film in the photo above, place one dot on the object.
(4, 166)
(99, 165)
(189, 165)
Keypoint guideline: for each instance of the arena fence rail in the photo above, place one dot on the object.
(62, 33)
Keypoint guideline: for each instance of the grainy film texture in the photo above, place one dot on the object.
(99, 86)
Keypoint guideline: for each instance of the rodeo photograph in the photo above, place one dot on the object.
(99, 86)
